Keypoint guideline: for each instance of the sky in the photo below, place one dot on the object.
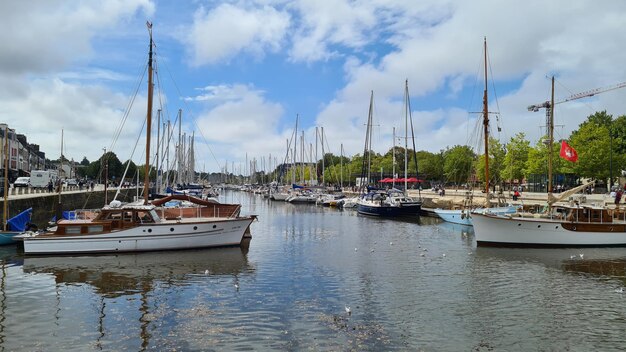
(241, 71)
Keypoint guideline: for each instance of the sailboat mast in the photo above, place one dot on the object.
(486, 128)
(393, 162)
(551, 137)
(158, 146)
(146, 178)
(406, 132)
(5, 210)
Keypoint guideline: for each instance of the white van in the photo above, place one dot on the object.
(41, 178)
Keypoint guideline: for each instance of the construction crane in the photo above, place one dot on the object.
(589, 93)
(549, 106)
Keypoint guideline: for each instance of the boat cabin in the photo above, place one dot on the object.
(585, 214)
(110, 219)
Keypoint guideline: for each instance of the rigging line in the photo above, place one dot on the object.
(119, 187)
(493, 88)
(193, 119)
(125, 116)
(128, 108)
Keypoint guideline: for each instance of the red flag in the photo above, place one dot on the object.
(568, 153)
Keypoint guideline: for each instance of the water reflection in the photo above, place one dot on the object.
(127, 274)
(595, 261)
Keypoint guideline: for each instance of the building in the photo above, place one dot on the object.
(23, 157)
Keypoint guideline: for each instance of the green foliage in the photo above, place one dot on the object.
(592, 142)
(497, 156)
(516, 157)
(459, 163)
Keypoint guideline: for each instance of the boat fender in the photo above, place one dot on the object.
(115, 204)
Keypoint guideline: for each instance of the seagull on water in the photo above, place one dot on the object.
(348, 310)
(206, 272)
(237, 286)
(581, 255)
(572, 257)
(619, 290)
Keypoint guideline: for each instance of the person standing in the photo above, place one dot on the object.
(618, 198)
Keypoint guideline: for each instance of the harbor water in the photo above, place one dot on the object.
(319, 279)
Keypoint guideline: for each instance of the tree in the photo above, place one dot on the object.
(459, 163)
(431, 165)
(496, 162)
(592, 142)
(85, 162)
(516, 156)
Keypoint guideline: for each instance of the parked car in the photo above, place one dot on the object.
(22, 182)
(71, 182)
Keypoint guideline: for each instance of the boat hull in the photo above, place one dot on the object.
(169, 235)
(463, 218)
(388, 211)
(494, 230)
(6, 237)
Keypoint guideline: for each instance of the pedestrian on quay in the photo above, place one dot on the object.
(50, 187)
(618, 198)
(91, 186)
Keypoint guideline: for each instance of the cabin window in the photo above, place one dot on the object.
(95, 228)
(72, 230)
(144, 216)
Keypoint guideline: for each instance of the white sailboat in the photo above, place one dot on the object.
(136, 228)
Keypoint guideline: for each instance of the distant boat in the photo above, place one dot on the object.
(385, 203)
(138, 227)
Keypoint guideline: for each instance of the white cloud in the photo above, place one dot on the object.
(223, 32)
(45, 35)
(443, 55)
(239, 120)
(89, 116)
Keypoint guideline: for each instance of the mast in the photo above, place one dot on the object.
(59, 212)
(406, 133)
(365, 166)
(158, 146)
(393, 162)
(341, 168)
(146, 178)
(323, 157)
(551, 137)
(5, 210)
(486, 128)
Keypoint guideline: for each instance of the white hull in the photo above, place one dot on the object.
(280, 196)
(502, 230)
(463, 218)
(167, 235)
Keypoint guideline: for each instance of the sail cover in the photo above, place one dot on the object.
(19, 221)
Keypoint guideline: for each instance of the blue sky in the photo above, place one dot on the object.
(242, 70)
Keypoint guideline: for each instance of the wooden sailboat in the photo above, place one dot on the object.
(464, 216)
(137, 228)
(562, 225)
